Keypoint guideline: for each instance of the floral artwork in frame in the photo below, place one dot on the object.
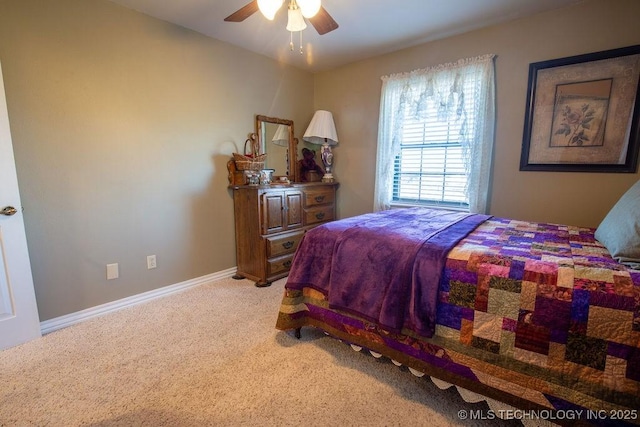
(582, 113)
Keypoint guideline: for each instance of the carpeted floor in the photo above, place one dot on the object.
(210, 356)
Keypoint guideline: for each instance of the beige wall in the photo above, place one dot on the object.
(352, 93)
(122, 126)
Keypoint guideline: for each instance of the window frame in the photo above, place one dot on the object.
(436, 84)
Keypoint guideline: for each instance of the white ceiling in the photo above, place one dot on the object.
(366, 27)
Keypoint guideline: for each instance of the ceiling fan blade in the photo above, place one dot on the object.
(323, 22)
(243, 13)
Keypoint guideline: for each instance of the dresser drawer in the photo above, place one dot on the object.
(283, 244)
(320, 214)
(319, 196)
(279, 265)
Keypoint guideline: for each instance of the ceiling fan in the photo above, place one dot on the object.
(321, 20)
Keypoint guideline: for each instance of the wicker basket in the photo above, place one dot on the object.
(245, 162)
(253, 161)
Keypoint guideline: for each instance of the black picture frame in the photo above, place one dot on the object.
(582, 113)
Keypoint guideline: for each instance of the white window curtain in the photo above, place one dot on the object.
(410, 93)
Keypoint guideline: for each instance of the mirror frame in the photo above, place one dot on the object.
(293, 142)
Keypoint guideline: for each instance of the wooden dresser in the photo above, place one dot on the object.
(271, 220)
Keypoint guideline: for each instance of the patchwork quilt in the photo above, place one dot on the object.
(536, 315)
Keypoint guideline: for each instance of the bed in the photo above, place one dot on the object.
(537, 316)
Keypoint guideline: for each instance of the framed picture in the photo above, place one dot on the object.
(582, 113)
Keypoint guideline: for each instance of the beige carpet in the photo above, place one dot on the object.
(211, 356)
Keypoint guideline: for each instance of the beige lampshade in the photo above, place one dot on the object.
(282, 136)
(322, 129)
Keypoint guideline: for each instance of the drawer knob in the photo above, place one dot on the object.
(287, 245)
(287, 263)
(320, 215)
(319, 199)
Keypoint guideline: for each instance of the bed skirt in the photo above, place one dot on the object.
(446, 367)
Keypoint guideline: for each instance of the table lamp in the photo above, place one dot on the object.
(322, 131)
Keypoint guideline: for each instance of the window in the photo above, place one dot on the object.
(436, 136)
(430, 167)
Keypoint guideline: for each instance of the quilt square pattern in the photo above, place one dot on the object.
(544, 295)
(534, 312)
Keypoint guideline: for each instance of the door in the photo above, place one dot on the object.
(273, 212)
(293, 201)
(18, 311)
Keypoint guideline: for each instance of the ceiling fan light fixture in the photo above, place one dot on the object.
(309, 8)
(269, 8)
(295, 21)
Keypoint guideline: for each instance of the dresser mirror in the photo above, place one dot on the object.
(275, 138)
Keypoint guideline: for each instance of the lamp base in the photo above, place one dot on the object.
(327, 161)
(327, 177)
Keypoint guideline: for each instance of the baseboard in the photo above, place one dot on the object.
(51, 325)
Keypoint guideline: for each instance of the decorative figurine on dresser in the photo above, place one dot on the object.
(310, 171)
(271, 217)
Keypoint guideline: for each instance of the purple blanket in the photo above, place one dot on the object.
(383, 266)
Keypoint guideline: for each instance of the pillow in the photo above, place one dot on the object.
(619, 231)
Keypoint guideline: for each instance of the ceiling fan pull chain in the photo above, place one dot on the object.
(291, 42)
(300, 42)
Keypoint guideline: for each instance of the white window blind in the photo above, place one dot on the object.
(430, 168)
(435, 136)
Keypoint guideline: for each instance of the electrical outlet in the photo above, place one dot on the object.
(112, 271)
(151, 262)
